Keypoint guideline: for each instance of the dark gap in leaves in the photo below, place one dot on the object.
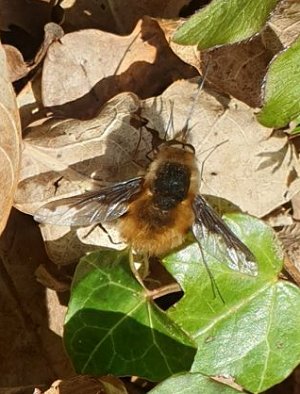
(192, 7)
(23, 41)
(289, 385)
(168, 300)
(138, 386)
(57, 14)
(296, 142)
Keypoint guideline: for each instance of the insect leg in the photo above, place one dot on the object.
(214, 286)
(104, 230)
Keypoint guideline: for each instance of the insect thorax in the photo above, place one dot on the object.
(171, 185)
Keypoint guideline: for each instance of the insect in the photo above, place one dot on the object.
(156, 211)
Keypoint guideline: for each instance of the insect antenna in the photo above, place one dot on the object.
(186, 128)
(170, 123)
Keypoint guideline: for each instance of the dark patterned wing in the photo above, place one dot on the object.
(223, 243)
(92, 207)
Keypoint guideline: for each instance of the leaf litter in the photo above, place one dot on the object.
(46, 176)
(60, 157)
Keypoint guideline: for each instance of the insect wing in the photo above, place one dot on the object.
(223, 243)
(90, 208)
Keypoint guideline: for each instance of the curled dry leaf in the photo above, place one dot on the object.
(31, 316)
(61, 156)
(9, 142)
(17, 67)
(88, 385)
(253, 160)
(88, 67)
(290, 238)
(237, 69)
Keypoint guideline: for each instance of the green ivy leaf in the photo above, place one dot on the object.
(224, 22)
(192, 383)
(254, 337)
(113, 327)
(282, 89)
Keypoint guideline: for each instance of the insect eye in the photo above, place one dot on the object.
(180, 145)
(189, 148)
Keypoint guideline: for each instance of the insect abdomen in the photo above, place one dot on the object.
(153, 231)
(158, 219)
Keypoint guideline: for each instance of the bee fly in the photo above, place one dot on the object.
(156, 211)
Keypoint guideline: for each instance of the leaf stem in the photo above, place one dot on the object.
(164, 290)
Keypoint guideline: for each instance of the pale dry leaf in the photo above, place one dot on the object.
(88, 67)
(60, 156)
(229, 381)
(66, 246)
(9, 142)
(56, 312)
(88, 385)
(253, 161)
(16, 64)
(280, 217)
(114, 16)
(17, 67)
(188, 53)
(285, 21)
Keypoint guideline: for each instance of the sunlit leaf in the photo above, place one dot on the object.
(254, 335)
(112, 327)
(224, 22)
(282, 89)
(192, 383)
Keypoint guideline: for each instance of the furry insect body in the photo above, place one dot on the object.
(155, 212)
(159, 218)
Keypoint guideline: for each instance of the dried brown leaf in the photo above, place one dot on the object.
(31, 317)
(60, 157)
(290, 238)
(17, 67)
(88, 67)
(9, 142)
(237, 69)
(253, 161)
(88, 385)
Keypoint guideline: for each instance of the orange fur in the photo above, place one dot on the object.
(149, 229)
